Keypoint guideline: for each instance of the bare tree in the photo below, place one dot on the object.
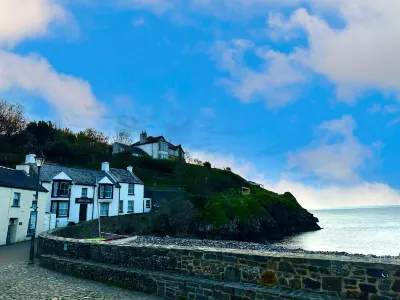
(188, 158)
(123, 137)
(12, 118)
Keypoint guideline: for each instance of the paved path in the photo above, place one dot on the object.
(15, 252)
(21, 281)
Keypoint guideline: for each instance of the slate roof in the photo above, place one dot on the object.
(137, 151)
(18, 179)
(86, 176)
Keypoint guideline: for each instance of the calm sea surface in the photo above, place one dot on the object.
(361, 230)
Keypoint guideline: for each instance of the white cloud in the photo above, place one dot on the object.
(358, 56)
(138, 23)
(362, 193)
(274, 82)
(337, 156)
(333, 196)
(22, 19)
(71, 98)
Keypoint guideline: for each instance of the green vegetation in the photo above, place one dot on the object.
(214, 195)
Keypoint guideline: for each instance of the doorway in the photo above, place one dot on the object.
(82, 212)
(12, 231)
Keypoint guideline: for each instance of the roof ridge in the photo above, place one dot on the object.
(9, 168)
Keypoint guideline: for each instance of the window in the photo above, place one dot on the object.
(121, 206)
(61, 189)
(130, 206)
(63, 209)
(84, 192)
(131, 189)
(60, 208)
(147, 203)
(105, 191)
(163, 147)
(104, 209)
(54, 207)
(16, 199)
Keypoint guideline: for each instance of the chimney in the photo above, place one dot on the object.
(143, 137)
(129, 168)
(105, 166)
(24, 168)
(30, 159)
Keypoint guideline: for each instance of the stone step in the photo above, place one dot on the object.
(171, 285)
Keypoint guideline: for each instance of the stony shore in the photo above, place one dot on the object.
(222, 244)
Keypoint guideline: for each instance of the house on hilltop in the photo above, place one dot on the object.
(78, 195)
(157, 147)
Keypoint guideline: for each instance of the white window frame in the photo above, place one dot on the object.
(131, 189)
(84, 194)
(132, 205)
(104, 209)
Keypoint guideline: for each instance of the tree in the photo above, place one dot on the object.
(123, 137)
(207, 165)
(12, 118)
(228, 169)
(188, 157)
(198, 162)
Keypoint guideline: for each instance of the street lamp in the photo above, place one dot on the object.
(39, 163)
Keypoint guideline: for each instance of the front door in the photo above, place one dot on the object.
(82, 212)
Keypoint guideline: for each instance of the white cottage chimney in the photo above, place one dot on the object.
(105, 166)
(130, 169)
(143, 137)
(30, 159)
(24, 168)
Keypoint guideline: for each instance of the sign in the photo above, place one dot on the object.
(84, 200)
(32, 221)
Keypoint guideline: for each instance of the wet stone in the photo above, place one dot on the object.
(396, 286)
(268, 278)
(283, 282)
(380, 273)
(232, 274)
(376, 297)
(367, 288)
(301, 272)
(295, 284)
(324, 271)
(350, 281)
(333, 284)
(286, 267)
(311, 284)
(384, 287)
(353, 294)
(359, 272)
(372, 280)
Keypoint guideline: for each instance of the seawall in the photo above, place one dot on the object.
(206, 273)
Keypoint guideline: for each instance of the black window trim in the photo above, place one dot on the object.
(19, 200)
(105, 184)
(58, 207)
(59, 181)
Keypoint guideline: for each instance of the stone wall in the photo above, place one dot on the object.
(345, 276)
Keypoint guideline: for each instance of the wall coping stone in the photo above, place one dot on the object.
(225, 251)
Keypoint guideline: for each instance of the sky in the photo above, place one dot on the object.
(299, 95)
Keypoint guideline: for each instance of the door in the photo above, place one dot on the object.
(82, 212)
(12, 231)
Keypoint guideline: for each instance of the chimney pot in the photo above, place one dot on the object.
(130, 169)
(105, 166)
(30, 159)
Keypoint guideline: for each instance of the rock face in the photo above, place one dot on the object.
(181, 219)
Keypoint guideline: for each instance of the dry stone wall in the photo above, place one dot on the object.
(340, 276)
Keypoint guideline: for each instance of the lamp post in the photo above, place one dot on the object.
(39, 163)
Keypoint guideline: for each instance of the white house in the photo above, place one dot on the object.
(17, 192)
(157, 147)
(78, 195)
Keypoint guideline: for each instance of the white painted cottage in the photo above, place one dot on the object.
(77, 195)
(156, 147)
(17, 216)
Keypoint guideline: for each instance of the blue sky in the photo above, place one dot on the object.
(299, 95)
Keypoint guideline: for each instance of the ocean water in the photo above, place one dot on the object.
(359, 230)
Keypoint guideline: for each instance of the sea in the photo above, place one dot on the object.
(356, 230)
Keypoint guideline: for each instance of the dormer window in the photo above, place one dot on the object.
(105, 191)
(61, 189)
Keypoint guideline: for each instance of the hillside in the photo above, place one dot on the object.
(213, 208)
